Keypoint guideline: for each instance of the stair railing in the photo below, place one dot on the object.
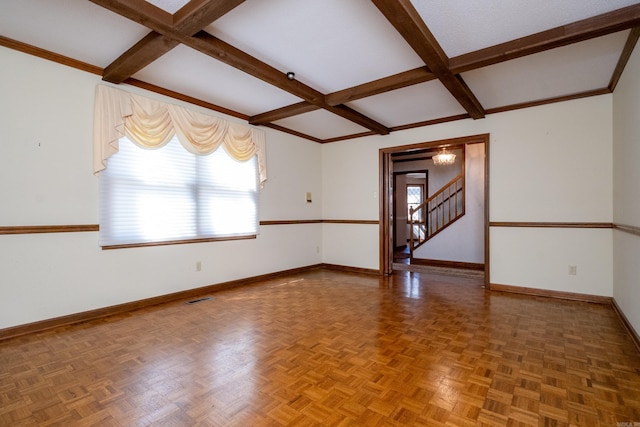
(436, 213)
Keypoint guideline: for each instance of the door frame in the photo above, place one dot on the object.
(395, 196)
(386, 195)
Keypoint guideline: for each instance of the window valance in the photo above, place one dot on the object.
(151, 124)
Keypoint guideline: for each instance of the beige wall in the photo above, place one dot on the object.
(46, 114)
(626, 190)
(527, 183)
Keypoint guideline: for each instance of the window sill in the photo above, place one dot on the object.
(178, 242)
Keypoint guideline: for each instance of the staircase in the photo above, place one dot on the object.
(436, 213)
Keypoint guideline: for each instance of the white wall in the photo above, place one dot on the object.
(350, 191)
(626, 190)
(527, 183)
(540, 258)
(553, 163)
(46, 113)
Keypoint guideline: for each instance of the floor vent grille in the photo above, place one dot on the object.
(195, 301)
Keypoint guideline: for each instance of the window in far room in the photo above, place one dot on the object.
(415, 197)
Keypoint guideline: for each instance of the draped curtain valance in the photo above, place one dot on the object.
(152, 124)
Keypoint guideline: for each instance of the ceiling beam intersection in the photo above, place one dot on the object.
(586, 29)
(199, 13)
(407, 21)
(629, 46)
(190, 19)
(376, 87)
(161, 22)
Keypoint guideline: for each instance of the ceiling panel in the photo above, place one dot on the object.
(186, 71)
(463, 26)
(567, 70)
(321, 124)
(74, 28)
(411, 104)
(329, 44)
(171, 6)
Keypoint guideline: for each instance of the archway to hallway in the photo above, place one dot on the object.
(386, 214)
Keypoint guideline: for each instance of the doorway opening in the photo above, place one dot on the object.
(388, 185)
(410, 187)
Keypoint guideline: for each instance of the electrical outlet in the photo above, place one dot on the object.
(573, 270)
(198, 265)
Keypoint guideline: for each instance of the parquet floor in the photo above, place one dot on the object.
(330, 348)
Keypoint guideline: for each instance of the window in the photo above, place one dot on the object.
(169, 195)
(414, 199)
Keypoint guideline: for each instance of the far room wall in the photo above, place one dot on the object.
(463, 241)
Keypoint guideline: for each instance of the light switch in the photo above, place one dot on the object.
(308, 197)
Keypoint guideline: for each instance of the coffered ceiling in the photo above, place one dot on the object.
(362, 67)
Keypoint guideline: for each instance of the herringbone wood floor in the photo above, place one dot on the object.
(331, 348)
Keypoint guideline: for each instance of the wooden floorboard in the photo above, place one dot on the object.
(332, 348)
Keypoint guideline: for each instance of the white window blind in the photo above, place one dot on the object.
(169, 194)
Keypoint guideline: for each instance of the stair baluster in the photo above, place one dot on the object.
(436, 213)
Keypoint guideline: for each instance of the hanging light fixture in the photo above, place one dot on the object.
(444, 158)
